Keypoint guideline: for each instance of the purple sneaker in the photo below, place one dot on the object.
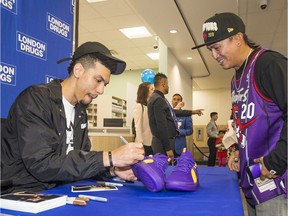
(150, 171)
(185, 175)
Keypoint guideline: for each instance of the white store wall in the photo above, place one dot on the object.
(125, 85)
(212, 101)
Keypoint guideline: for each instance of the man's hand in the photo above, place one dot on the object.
(179, 105)
(127, 155)
(170, 154)
(125, 173)
(234, 161)
(197, 112)
(264, 172)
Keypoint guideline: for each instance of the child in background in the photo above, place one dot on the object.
(221, 150)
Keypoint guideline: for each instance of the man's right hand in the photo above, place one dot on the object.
(179, 105)
(127, 155)
(234, 161)
(197, 112)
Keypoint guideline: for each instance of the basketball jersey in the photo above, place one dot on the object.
(258, 124)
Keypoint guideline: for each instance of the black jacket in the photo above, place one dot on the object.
(33, 149)
(160, 119)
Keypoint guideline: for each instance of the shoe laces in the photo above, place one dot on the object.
(184, 164)
(161, 163)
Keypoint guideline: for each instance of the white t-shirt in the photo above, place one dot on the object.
(70, 114)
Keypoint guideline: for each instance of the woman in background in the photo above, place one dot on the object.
(140, 116)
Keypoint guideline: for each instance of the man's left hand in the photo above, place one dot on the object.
(264, 172)
(125, 173)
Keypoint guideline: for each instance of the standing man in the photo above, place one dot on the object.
(259, 105)
(185, 127)
(212, 133)
(162, 119)
(45, 141)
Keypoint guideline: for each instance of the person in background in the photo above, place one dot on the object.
(221, 150)
(259, 105)
(140, 116)
(45, 141)
(212, 133)
(185, 127)
(162, 117)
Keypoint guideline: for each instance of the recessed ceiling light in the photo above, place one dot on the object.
(136, 32)
(189, 58)
(94, 1)
(173, 31)
(153, 56)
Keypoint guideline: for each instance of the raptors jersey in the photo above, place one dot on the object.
(258, 123)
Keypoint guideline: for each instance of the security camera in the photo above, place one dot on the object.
(155, 46)
(263, 4)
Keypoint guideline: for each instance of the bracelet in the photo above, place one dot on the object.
(112, 171)
(110, 159)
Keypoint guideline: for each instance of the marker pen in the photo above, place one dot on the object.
(123, 139)
(75, 201)
(95, 198)
(109, 183)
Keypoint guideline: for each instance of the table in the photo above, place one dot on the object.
(218, 194)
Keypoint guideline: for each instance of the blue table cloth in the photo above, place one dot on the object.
(218, 194)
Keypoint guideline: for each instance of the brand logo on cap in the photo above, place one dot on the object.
(205, 36)
(210, 26)
(230, 29)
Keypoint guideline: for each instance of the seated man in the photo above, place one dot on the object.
(46, 141)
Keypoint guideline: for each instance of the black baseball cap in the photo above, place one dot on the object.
(96, 47)
(220, 27)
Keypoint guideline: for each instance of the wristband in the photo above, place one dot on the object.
(110, 159)
(112, 171)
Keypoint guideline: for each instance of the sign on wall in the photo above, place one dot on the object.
(34, 35)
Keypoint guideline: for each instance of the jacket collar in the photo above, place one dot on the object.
(159, 92)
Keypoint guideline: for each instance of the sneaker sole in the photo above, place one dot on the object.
(181, 186)
(149, 178)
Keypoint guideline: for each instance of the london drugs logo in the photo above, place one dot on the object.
(31, 46)
(10, 5)
(7, 74)
(49, 78)
(58, 26)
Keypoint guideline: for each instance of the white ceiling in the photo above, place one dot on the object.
(102, 21)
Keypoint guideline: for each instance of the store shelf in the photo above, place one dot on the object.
(106, 107)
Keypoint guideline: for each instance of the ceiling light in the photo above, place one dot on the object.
(94, 1)
(136, 32)
(189, 58)
(153, 56)
(173, 31)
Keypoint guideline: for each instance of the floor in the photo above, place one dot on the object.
(244, 203)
